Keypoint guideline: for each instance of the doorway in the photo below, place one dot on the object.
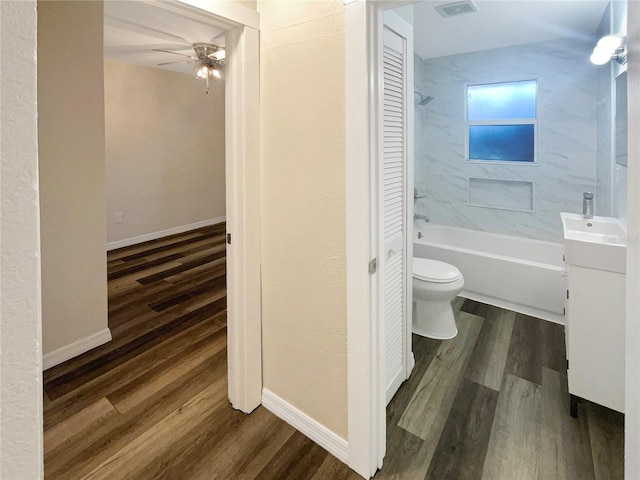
(242, 197)
(361, 24)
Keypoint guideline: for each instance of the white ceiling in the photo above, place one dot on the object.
(502, 23)
(132, 29)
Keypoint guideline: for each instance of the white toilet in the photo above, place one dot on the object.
(435, 284)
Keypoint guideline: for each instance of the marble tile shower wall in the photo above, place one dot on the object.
(567, 132)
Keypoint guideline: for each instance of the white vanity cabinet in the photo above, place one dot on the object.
(595, 259)
(595, 336)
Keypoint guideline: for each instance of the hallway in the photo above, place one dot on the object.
(153, 402)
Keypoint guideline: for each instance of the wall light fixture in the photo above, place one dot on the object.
(608, 48)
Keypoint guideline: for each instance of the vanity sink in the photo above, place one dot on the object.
(598, 242)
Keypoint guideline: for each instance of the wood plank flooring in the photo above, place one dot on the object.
(492, 404)
(152, 404)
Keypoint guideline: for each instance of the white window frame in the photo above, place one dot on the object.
(499, 122)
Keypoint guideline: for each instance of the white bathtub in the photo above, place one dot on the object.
(519, 274)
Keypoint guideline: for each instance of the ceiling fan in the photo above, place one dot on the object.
(210, 58)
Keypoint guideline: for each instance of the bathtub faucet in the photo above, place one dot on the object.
(419, 216)
(587, 205)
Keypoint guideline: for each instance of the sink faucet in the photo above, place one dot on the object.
(587, 205)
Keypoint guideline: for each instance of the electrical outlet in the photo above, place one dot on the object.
(118, 217)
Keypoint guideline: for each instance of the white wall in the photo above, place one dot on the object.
(72, 172)
(604, 202)
(619, 181)
(165, 150)
(611, 188)
(20, 348)
(302, 101)
(566, 137)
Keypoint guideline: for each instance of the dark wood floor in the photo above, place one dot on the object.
(492, 404)
(152, 404)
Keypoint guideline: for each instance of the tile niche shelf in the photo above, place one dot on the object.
(515, 195)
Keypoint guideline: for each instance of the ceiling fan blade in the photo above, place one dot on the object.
(175, 53)
(183, 61)
(218, 56)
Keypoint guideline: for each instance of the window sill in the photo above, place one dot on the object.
(501, 162)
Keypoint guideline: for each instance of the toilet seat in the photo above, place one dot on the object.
(434, 271)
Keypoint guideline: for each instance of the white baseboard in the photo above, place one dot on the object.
(515, 307)
(127, 242)
(332, 443)
(76, 348)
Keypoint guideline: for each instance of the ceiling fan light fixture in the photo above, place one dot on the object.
(215, 71)
(207, 70)
(209, 57)
(201, 71)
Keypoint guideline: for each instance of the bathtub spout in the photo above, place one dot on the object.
(419, 216)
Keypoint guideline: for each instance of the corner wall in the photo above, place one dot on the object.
(21, 454)
(303, 207)
(72, 172)
(165, 150)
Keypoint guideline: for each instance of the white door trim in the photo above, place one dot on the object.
(632, 347)
(242, 138)
(408, 248)
(366, 397)
(365, 391)
(220, 13)
(244, 304)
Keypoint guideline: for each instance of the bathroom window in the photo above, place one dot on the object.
(501, 122)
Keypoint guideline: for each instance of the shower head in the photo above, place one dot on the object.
(423, 100)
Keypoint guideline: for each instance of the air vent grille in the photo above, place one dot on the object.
(456, 8)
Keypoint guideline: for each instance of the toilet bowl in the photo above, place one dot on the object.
(435, 284)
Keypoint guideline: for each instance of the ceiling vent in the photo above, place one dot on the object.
(456, 8)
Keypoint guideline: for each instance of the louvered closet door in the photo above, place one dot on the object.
(394, 191)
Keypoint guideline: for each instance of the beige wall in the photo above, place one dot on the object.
(302, 124)
(165, 150)
(71, 162)
(252, 4)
